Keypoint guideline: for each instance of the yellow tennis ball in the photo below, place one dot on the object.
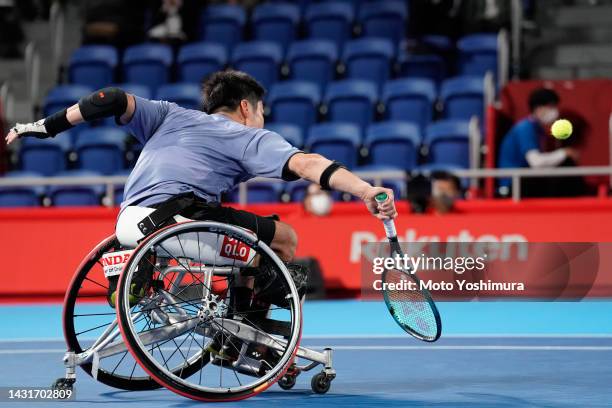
(561, 129)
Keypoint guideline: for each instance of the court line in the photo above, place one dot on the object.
(390, 348)
(377, 336)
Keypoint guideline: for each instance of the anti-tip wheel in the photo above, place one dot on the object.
(320, 383)
(288, 381)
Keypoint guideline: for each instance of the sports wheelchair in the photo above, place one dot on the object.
(175, 323)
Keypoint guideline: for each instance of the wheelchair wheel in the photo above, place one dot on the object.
(190, 297)
(84, 323)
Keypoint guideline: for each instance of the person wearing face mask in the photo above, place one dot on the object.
(445, 191)
(317, 201)
(521, 145)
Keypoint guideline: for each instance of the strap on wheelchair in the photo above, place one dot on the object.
(163, 213)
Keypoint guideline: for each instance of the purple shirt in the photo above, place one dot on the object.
(188, 150)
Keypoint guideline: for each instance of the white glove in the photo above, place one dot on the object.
(36, 129)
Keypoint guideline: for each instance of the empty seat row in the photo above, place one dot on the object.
(279, 21)
(103, 150)
(355, 101)
(32, 196)
(93, 195)
(393, 143)
(369, 58)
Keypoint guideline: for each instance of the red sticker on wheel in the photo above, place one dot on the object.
(234, 249)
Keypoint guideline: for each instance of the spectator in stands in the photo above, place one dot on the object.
(435, 193)
(175, 21)
(521, 147)
(317, 201)
(445, 191)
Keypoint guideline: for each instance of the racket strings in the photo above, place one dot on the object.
(411, 308)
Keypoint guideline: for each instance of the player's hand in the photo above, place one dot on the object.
(36, 129)
(384, 210)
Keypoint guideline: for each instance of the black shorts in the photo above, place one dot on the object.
(201, 210)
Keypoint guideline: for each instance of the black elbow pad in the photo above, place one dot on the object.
(104, 103)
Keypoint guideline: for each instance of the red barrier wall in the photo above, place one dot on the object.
(42, 247)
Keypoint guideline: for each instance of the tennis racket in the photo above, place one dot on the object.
(413, 310)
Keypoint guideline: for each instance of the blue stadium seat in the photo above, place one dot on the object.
(147, 64)
(384, 19)
(330, 21)
(63, 96)
(260, 59)
(369, 59)
(477, 54)
(410, 100)
(437, 43)
(448, 143)
(336, 141)
(292, 133)
(295, 102)
(21, 196)
(296, 190)
(45, 156)
(429, 66)
(198, 60)
(313, 60)
(136, 89)
(260, 192)
(463, 97)
(93, 65)
(186, 95)
(101, 150)
(223, 24)
(82, 195)
(276, 22)
(351, 100)
(393, 143)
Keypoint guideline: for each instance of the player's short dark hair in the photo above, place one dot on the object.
(542, 97)
(223, 90)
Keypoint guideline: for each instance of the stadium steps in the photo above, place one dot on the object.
(14, 69)
(571, 42)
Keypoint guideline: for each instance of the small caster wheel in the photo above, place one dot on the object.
(288, 381)
(320, 383)
(63, 384)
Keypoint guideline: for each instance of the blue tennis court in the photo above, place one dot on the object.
(503, 354)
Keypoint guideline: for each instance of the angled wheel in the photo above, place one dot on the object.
(85, 321)
(188, 313)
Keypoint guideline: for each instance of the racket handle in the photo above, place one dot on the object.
(390, 230)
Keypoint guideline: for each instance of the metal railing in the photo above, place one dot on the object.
(517, 36)
(516, 175)
(503, 58)
(32, 71)
(56, 20)
(8, 101)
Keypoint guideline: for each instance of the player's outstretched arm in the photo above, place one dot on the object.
(103, 103)
(333, 176)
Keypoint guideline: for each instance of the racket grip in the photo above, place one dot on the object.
(390, 230)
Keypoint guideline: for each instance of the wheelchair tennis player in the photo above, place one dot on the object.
(190, 158)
